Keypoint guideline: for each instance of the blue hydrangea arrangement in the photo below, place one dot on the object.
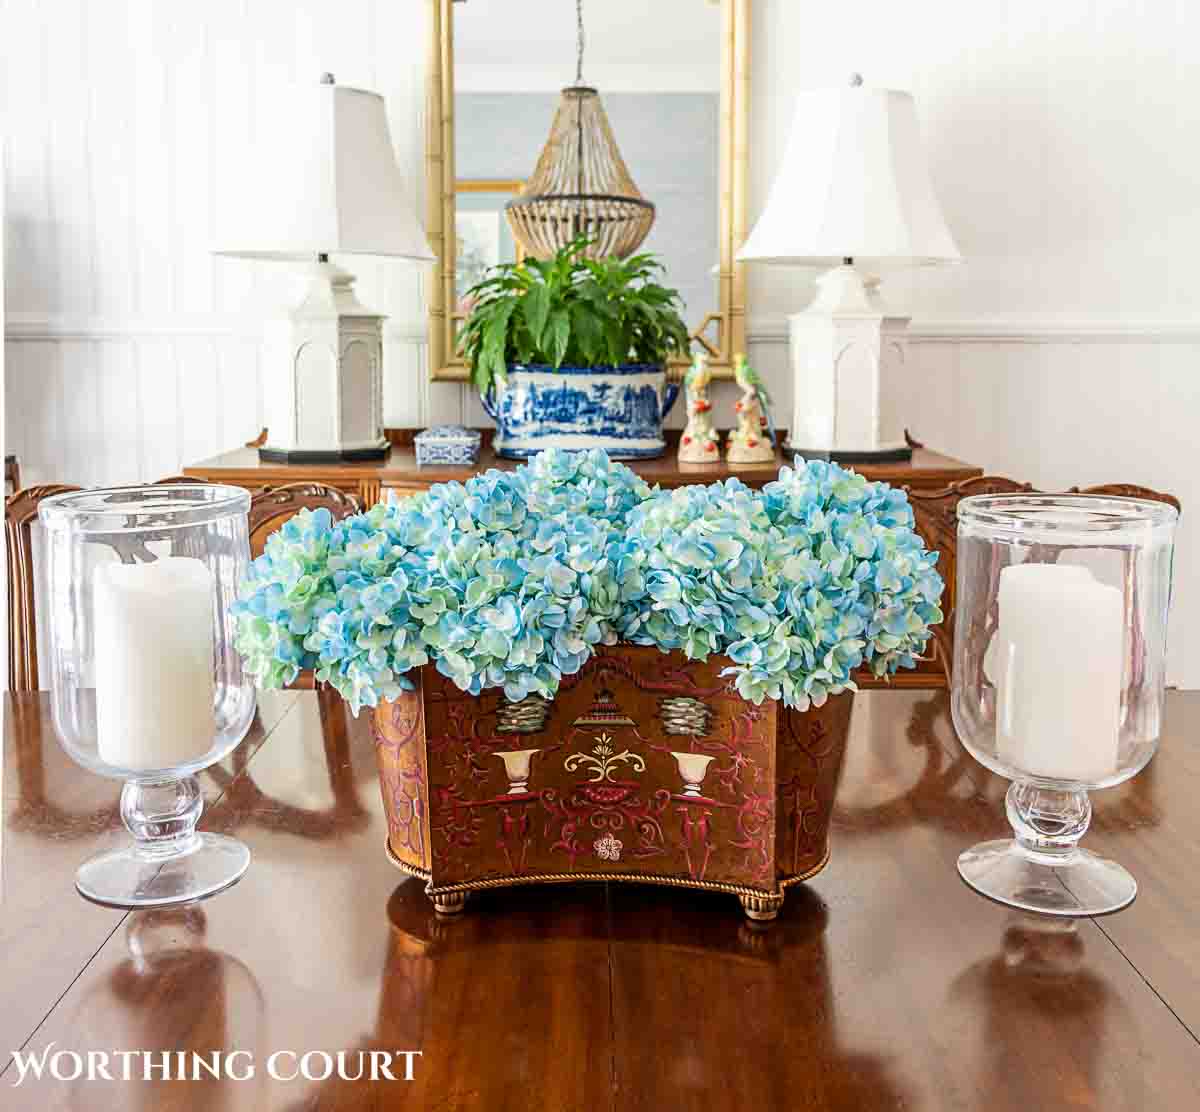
(511, 579)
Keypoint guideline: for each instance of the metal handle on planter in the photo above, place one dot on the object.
(669, 396)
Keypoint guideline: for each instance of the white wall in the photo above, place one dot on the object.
(127, 125)
(1063, 144)
(1062, 139)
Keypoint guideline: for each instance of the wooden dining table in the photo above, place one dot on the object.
(884, 984)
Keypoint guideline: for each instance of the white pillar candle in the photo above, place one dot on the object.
(1024, 580)
(1058, 668)
(154, 662)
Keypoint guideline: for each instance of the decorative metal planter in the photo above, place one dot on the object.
(619, 409)
(645, 767)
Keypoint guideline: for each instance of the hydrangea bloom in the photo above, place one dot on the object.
(286, 591)
(798, 585)
(511, 579)
(502, 581)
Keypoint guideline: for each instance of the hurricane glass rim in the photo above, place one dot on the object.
(139, 507)
(1052, 516)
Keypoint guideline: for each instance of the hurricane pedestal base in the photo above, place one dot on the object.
(1085, 885)
(169, 861)
(1043, 869)
(126, 878)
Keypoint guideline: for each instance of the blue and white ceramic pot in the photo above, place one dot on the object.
(619, 409)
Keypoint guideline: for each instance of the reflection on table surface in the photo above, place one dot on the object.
(884, 984)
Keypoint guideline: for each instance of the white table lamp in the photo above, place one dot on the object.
(327, 184)
(853, 194)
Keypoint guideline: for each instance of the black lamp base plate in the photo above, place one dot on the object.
(837, 455)
(349, 455)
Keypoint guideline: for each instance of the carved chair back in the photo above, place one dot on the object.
(23, 536)
(270, 507)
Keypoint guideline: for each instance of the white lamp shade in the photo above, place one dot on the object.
(853, 183)
(327, 182)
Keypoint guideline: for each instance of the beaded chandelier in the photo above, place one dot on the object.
(581, 185)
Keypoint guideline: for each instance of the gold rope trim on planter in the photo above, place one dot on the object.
(571, 878)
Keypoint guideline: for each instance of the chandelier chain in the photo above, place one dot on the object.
(581, 185)
(578, 42)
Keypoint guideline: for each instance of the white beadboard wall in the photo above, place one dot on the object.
(1062, 143)
(131, 350)
(1061, 139)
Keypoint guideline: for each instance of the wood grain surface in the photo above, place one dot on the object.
(242, 467)
(885, 983)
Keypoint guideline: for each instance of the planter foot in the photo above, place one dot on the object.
(762, 909)
(449, 903)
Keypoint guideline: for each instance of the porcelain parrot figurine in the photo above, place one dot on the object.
(698, 443)
(747, 442)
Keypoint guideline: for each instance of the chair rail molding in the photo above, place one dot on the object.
(1018, 330)
(50, 327)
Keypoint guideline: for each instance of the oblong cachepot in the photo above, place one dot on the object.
(609, 781)
(619, 409)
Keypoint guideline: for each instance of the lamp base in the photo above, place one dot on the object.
(324, 356)
(267, 454)
(848, 365)
(902, 454)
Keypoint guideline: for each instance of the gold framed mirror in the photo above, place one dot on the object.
(715, 308)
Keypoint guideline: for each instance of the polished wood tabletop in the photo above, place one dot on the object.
(399, 471)
(884, 984)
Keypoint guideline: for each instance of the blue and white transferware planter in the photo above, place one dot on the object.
(619, 409)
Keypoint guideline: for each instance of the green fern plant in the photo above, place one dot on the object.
(572, 311)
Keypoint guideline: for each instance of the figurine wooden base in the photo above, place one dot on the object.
(646, 767)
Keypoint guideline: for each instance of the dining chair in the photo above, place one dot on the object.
(23, 537)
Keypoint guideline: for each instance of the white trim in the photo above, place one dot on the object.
(1030, 330)
(52, 327)
(49, 327)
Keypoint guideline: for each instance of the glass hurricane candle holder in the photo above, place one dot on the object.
(146, 685)
(1059, 657)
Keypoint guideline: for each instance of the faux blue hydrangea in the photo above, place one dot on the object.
(511, 579)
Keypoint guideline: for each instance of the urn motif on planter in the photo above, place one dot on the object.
(692, 767)
(517, 765)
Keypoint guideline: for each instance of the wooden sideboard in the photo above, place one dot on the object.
(927, 472)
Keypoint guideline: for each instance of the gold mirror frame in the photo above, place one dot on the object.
(722, 333)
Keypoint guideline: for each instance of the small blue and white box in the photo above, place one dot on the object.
(447, 444)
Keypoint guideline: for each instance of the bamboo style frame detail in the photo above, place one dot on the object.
(722, 333)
